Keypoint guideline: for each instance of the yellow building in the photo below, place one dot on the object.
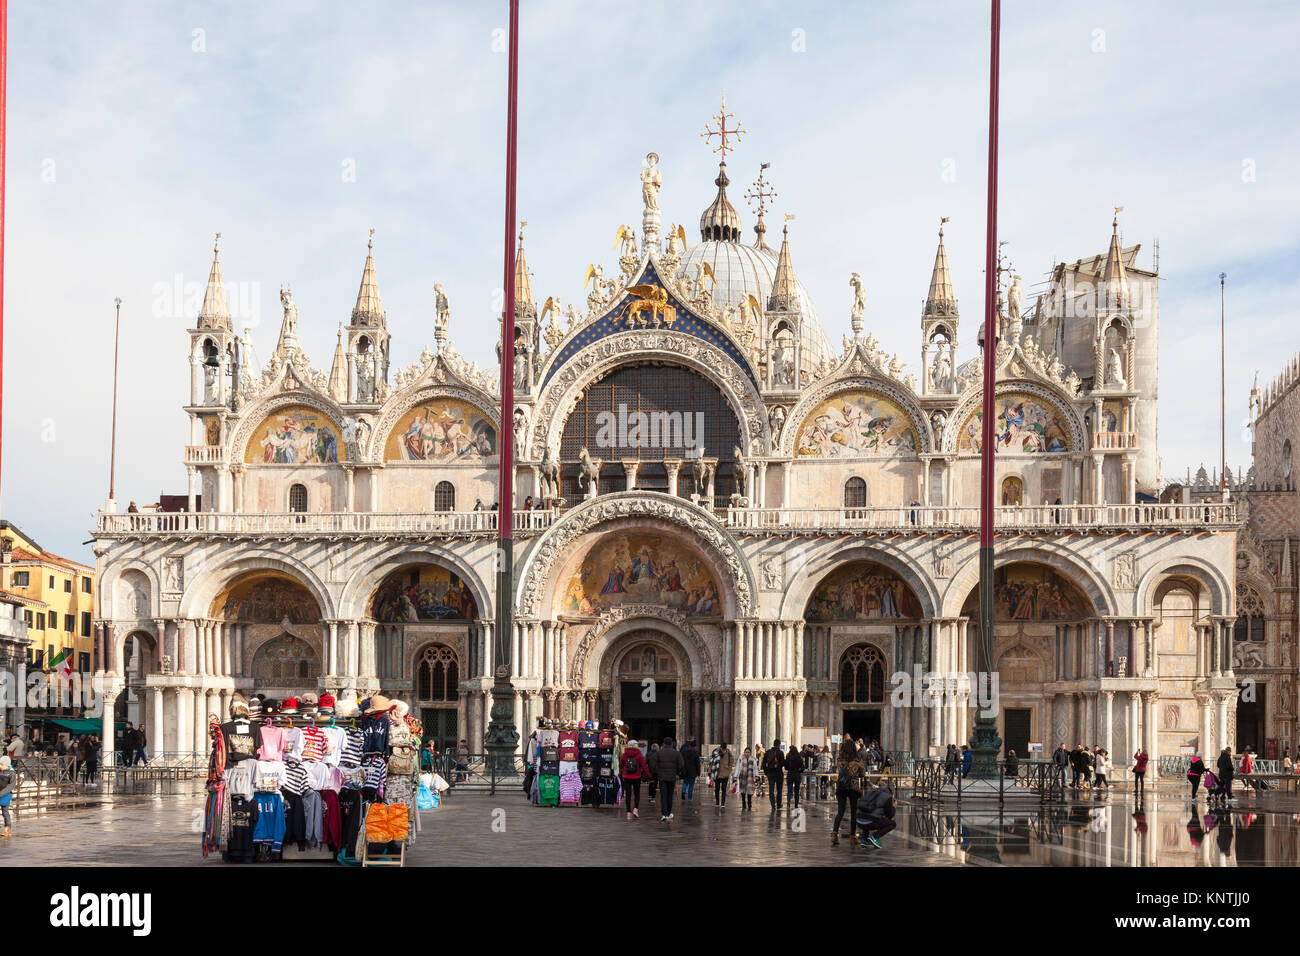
(58, 595)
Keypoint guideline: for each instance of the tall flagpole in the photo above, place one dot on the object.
(1223, 402)
(4, 72)
(502, 738)
(112, 454)
(985, 743)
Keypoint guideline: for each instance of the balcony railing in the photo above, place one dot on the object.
(1032, 518)
(202, 454)
(1105, 440)
(296, 523)
(752, 520)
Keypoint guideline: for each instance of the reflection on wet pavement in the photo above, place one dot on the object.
(480, 830)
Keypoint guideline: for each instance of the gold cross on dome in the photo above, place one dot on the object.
(761, 191)
(723, 132)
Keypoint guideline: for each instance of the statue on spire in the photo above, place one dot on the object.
(651, 180)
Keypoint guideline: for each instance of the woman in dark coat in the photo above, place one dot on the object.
(1226, 770)
(1194, 773)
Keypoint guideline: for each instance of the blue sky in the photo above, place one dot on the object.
(137, 131)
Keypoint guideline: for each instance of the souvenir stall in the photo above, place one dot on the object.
(301, 779)
(572, 763)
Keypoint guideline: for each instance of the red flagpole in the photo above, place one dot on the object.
(4, 122)
(502, 738)
(984, 741)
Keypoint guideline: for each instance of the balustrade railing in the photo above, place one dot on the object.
(1112, 440)
(203, 454)
(904, 519)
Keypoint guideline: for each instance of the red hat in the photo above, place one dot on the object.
(327, 702)
(290, 706)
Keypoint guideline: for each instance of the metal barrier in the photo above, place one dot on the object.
(47, 778)
(930, 777)
(477, 774)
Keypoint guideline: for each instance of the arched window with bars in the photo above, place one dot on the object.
(444, 496)
(298, 498)
(437, 674)
(862, 675)
(855, 493)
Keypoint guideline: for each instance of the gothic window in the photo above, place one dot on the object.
(444, 496)
(1250, 615)
(855, 493)
(437, 674)
(297, 497)
(862, 675)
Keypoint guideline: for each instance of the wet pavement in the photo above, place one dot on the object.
(473, 829)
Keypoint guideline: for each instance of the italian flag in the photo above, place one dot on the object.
(63, 663)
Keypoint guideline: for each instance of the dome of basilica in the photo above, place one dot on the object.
(739, 271)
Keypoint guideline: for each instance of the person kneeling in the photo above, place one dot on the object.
(876, 815)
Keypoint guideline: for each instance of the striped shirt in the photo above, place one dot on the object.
(295, 778)
(314, 744)
(352, 749)
(376, 769)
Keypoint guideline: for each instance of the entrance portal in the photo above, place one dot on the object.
(862, 724)
(1250, 717)
(1015, 731)
(650, 719)
(440, 728)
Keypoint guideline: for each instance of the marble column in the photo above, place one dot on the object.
(740, 707)
(1107, 723)
(154, 732)
(184, 724)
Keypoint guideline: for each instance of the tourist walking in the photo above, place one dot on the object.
(951, 764)
(633, 770)
(1060, 760)
(653, 783)
(1140, 759)
(794, 764)
(665, 766)
(746, 778)
(8, 785)
(774, 770)
(1194, 773)
(1103, 769)
(1224, 766)
(690, 770)
(967, 755)
(722, 764)
(91, 758)
(1086, 766)
(849, 772)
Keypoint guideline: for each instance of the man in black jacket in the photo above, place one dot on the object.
(1059, 761)
(794, 766)
(690, 769)
(666, 765)
(774, 767)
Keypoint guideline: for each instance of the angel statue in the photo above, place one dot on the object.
(596, 298)
(651, 180)
(749, 310)
(626, 236)
(703, 269)
(676, 240)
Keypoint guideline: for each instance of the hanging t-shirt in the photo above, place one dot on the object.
(239, 779)
(374, 730)
(243, 821)
(292, 743)
(353, 748)
(605, 740)
(609, 791)
(314, 744)
(568, 766)
(568, 745)
(337, 738)
(242, 740)
(272, 747)
(587, 743)
(269, 828)
(548, 789)
(269, 776)
(570, 789)
(550, 738)
(318, 774)
(295, 779)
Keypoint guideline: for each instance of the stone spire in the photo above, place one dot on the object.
(339, 371)
(524, 305)
(369, 310)
(720, 222)
(785, 292)
(940, 300)
(1114, 279)
(215, 313)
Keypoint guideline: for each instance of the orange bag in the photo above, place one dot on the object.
(378, 828)
(398, 823)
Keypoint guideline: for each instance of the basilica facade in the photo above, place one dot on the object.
(765, 528)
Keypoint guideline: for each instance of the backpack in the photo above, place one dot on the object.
(630, 764)
(845, 779)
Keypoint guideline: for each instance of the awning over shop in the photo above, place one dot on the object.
(80, 725)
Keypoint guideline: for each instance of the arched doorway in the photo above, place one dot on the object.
(646, 684)
(437, 694)
(139, 660)
(862, 690)
(1038, 613)
(274, 624)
